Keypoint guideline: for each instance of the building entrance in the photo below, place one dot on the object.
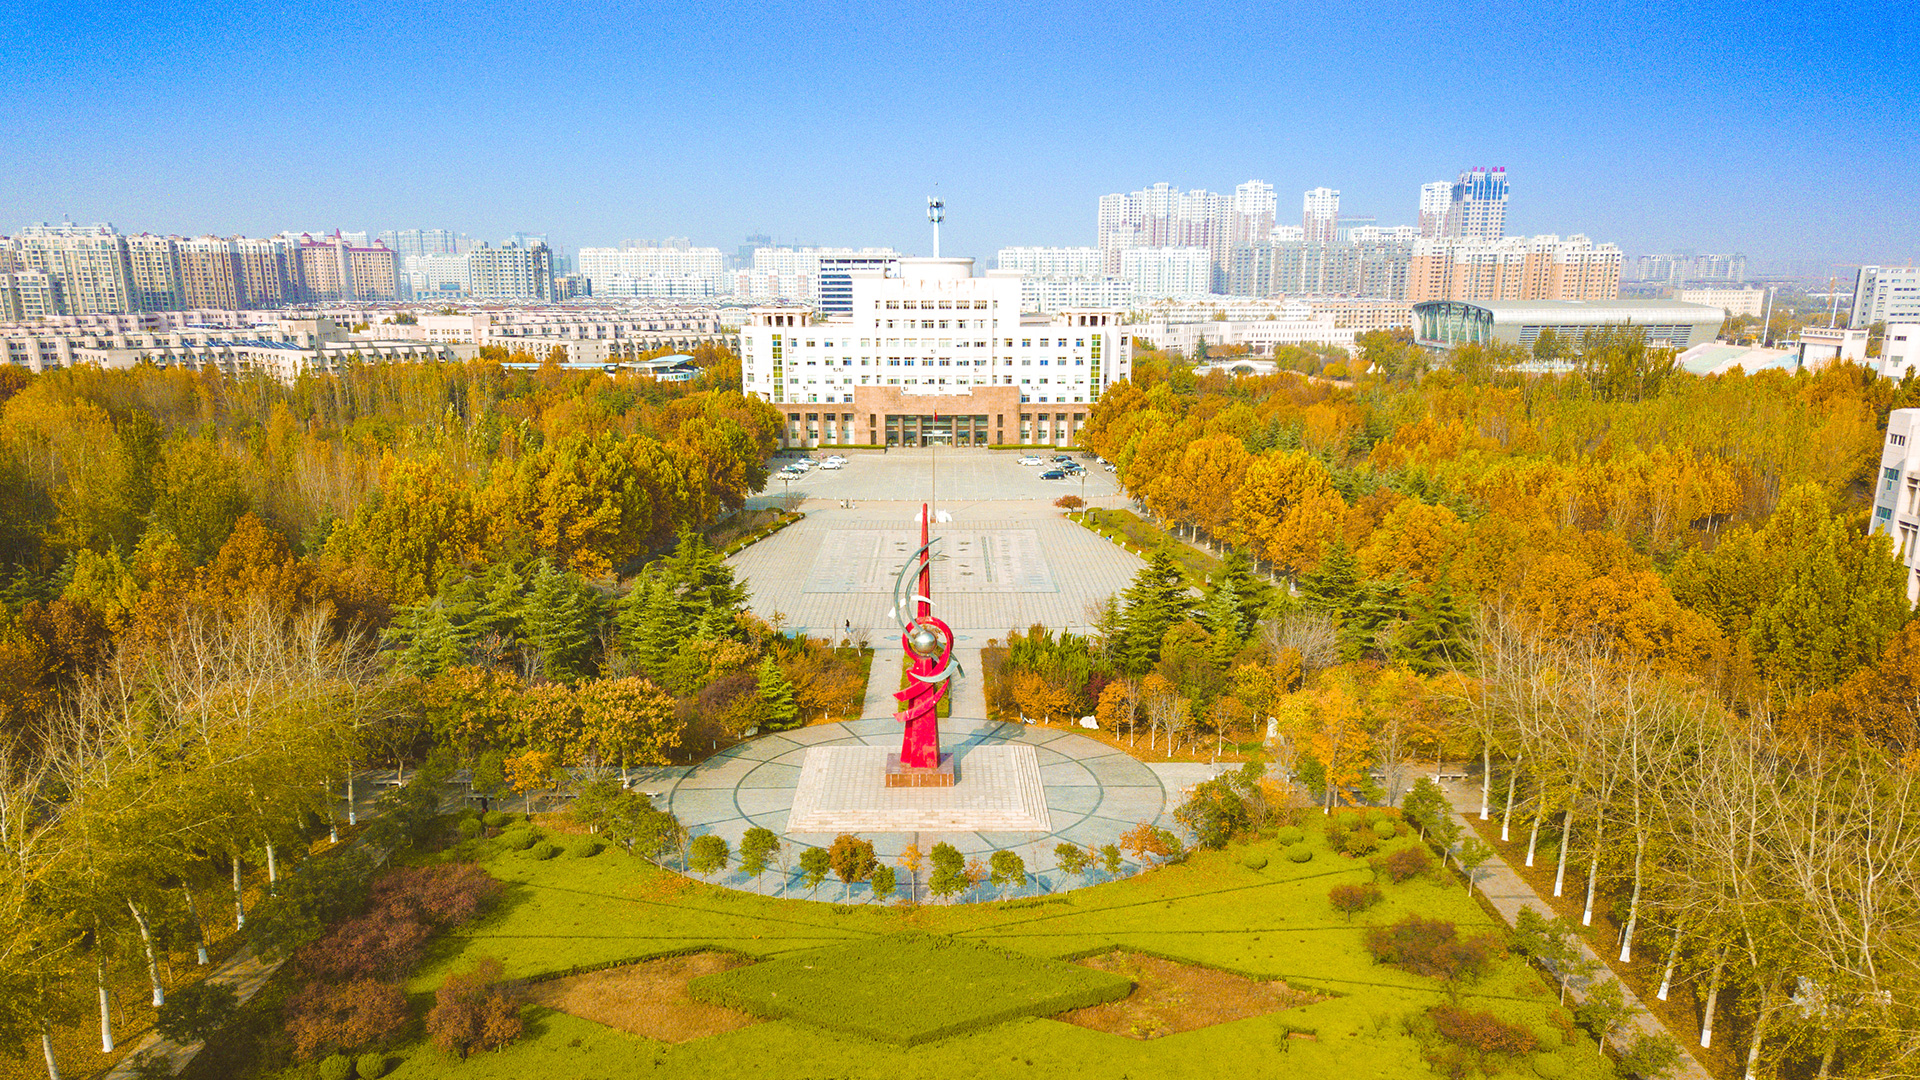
(908, 429)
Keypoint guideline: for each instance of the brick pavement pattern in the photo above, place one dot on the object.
(843, 789)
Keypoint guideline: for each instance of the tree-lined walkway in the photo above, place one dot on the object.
(1508, 892)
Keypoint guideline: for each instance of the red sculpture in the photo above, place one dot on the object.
(930, 642)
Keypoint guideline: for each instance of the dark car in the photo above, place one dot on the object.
(1053, 474)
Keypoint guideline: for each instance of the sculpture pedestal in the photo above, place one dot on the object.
(941, 775)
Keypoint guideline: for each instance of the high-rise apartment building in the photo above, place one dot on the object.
(1514, 268)
(376, 273)
(667, 271)
(1055, 278)
(410, 242)
(1162, 216)
(154, 263)
(1055, 262)
(1477, 209)
(817, 275)
(1435, 200)
(510, 273)
(1160, 272)
(209, 273)
(269, 272)
(87, 265)
(1320, 215)
(1889, 294)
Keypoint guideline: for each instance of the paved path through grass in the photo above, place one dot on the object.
(1508, 893)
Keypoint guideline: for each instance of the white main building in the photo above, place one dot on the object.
(932, 353)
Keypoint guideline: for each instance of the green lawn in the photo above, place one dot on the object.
(1274, 922)
(1143, 538)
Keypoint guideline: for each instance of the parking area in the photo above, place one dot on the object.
(952, 476)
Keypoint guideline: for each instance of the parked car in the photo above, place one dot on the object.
(830, 464)
(1064, 458)
(1072, 469)
(835, 459)
(1054, 474)
(1029, 459)
(1109, 468)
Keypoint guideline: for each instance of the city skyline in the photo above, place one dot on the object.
(426, 122)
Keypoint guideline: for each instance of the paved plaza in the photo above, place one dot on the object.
(1001, 563)
(1091, 792)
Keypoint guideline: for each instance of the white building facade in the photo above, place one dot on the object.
(1158, 272)
(1896, 495)
(655, 272)
(932, 353)
(1886, 294)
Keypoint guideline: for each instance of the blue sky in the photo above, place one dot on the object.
(1790, 132)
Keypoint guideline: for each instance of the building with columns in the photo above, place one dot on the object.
(931, 353)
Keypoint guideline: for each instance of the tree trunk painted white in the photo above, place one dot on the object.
(1633, 903)
(1713, 998)
(1566, 841)
(1826, 1058)
(239, 899)
(199, 929)
(1513, 785)
(1486, 781)
(1673, 959)
(1533, 842)
(352, 817)
(1593, 875)
(273, 867)
(153, 962)
(1759, 1032)
(100, 985)
(46, 1051)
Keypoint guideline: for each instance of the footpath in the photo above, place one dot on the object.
(1508, 892)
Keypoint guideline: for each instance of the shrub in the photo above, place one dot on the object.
(1549, 1037)
(443, 895)
(371, 1065)
(1069, 502)
(1432, 947)
(474, 1010)
(497, 819)
(1352, 898)
(1480, 1033)
(584, 847)
(1549, 1066)
(336, 1067)
(1385, 829)
(1290, 835)
(1255, 860)
(1350, 835)
(194, 1012)
(381, 944)
(1300, 853)
(544, 850)
(345, 1015)
(469, 828)
(519, 839)
(1647, 1057)
(884, 882)
(1404, 864)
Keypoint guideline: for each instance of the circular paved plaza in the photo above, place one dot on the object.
(1021, 788)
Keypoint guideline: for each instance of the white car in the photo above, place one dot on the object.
(830, 465)
(1031, 460)
(836, 459)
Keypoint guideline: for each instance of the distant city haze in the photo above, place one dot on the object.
(1763, 129)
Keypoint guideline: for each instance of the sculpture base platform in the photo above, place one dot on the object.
(941, 775)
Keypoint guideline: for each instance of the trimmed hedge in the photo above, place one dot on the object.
(544, 850)
(1385, 829)
(519, 839)
(371, 1065)
(498, 819)
(1290, 835)
(1255, 860)
(1300, 853)
(584, 847)
(336, 1067)
(1549, 1066)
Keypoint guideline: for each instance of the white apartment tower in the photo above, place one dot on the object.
(1435, 199)
(931, 353)
(1320, 215)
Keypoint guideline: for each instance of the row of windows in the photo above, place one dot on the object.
(943, 305)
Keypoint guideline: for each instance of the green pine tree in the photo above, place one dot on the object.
(1251, 593)
(1331, 585)
(779, 709)
(425, 640)
(1435, 636)
(559, 614)
(1155, 601)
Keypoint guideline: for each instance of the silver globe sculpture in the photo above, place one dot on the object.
(925, 641)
